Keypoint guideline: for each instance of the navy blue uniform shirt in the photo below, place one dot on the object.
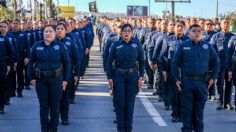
(49, 57)
(73, 53)
(7, 52)
(125, 56)
(194, 59)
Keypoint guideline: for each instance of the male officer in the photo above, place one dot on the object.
(145, 41)
(6, 62)
(23, 51)
(153, 65)
(206, 36)
(193, 58)
(220, 42)
(159, 82)
(232, 62)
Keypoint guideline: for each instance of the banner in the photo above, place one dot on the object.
(67, 11)
(137, 11)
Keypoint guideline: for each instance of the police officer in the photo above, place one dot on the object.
(11, 79)
(192, 58)
(23, 51)
(146, 42)
(49, 70)
(232, 62)
(220, 42)
(74, 58)
(126, 78)
(159, 81)
(207, 35)
(6, 62)
(166, 56)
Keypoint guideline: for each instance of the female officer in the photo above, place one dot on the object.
(128, 57)
(74, 58)
(49, 70)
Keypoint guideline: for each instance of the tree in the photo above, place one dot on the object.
(53, 10)
(232, 17)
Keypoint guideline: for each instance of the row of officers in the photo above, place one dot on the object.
(185, 62)
(51, 55)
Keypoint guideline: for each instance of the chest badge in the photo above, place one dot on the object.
(205, 46)
(56, 47)
(134, 45)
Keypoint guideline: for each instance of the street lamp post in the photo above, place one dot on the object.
(217, 8)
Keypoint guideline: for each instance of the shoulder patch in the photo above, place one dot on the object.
(68, 43)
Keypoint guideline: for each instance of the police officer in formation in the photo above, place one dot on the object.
(126, 76)
(192, 58)
(7, 56)
(72, 50)
(220, 42)
(49, 70)
(10, 86)
(166, 57)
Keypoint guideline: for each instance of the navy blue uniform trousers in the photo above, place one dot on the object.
(125, 90)
(193, 100)
(49, 91)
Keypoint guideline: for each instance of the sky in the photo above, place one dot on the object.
(197, 8)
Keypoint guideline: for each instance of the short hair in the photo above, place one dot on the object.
(194, 26)
(49, 26)
(61, 24)
(182, 22)
(125, 26)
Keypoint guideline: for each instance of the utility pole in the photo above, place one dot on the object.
(173, 4)
(149, 8)
(217, 8)
(173, 9)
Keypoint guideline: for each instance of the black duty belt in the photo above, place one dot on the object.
(195, 77)
(53, 73)
(126, 71)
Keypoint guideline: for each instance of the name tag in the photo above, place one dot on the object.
(118, 47)
(39, 48)
(21, 35)
(1, 39)
(187, 48)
